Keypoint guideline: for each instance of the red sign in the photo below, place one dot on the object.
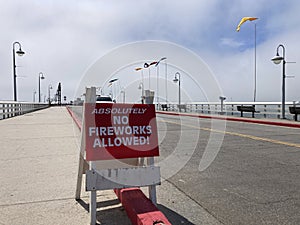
(118, 131)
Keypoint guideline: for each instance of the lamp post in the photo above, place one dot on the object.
(157, 85)
(146, 65)
(34, 92)
(49, 88)
(277, 60)
(20, 53)
(141, 87)
(222, 98)
(123, 92)
(179, 95)
(41, 76)
(110, 83)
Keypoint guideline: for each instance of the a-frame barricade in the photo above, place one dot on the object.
(115, 140)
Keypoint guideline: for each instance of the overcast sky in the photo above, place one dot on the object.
(63, 39)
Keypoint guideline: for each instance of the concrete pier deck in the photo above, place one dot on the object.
(39, 162)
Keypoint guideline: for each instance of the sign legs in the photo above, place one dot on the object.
(152, 188)
(79, 177)
(93, 207)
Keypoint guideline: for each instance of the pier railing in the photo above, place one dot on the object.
(9, 109)
(263, 109)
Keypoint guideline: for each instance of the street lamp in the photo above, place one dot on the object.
(222, 98)
(34, 92)
(41, 76)
(20, 53)
(141, 87)
(110, 83)
(179, 95)
(146, 65)
(123, 92)
(277, 60)
(49, 87)
(157, 85)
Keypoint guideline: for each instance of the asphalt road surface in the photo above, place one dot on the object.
(253, 175)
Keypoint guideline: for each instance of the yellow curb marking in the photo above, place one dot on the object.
(240, 135)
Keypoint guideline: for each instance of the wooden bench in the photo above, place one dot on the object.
(164, 107)
(246, 108)
(180, 107)
(295, 110)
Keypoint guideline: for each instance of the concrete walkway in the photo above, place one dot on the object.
(38, 164)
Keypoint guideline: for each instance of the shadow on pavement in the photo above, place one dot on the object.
(99, 204)
(173, 217)
(113, 214)
(116, 215)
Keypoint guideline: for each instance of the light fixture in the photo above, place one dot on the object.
(20, 53)
(41, 77)
(277, 59)
(177, 79)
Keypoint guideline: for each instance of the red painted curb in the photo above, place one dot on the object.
(139, 208)
(283, 124)
(75, 118)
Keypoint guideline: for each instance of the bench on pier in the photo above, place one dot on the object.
(246, 108)
(181, 107)
(295, 110)
(164, 107)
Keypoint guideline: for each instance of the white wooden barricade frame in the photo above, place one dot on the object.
(99, 177)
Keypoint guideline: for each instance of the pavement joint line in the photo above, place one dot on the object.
(240, 135)
(39, 201)
(48, 137)
(50, 200)
(188, 196)
(34, 124)
(36, 157)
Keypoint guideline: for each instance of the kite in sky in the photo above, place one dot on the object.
(111, 81)
(243, 20)
(146, 65)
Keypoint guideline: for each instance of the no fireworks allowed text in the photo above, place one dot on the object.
(116, 131)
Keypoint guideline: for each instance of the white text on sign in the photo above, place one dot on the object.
(122, 133)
